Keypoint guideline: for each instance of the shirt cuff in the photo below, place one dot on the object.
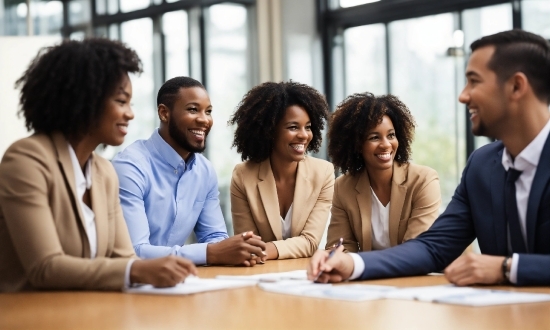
(195, 252)
(127, 273)
(358, 266)
(514, 268)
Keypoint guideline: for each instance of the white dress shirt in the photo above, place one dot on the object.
(526, 162)
(380, 222)
(286, 223)
(83, 182)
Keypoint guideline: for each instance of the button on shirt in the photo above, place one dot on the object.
(164, 199)
(526, 162)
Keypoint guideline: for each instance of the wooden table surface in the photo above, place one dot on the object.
(252, 308)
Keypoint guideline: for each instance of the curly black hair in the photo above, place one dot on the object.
(264, 106)
(65, 86)
(358, 114)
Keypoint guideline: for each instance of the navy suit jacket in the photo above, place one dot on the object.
(476, 210)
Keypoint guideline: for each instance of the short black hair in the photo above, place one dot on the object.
(264, 106)
(520, 51)
(168, 92)
(354, 117)
(65, 86)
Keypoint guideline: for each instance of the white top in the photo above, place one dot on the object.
(287, 222)
(83, 182)
(380, 221)
(526, 161)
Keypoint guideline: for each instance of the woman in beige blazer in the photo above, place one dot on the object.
(61, 225)
(279, 193)
(382, 199)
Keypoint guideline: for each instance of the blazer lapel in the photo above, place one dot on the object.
(397, 198)
(268, 194)
(303, 189)
(542, 176)
(99, 206)
(364, 200)
(498, 179)
(65, 163)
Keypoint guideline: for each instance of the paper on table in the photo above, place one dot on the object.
(353, 292)
(190, 286)
(268, 277)
(450, 294)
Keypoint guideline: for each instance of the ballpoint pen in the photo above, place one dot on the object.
(330, 256)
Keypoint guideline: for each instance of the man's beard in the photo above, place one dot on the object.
(182, 140)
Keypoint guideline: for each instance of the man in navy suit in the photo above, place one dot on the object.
(503, 198)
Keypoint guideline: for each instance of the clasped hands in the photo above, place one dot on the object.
(246, 249)
(465, 270)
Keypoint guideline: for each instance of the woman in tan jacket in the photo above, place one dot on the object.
(382, 199)
(279, 192)
(61, 225)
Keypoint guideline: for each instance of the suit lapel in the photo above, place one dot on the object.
(364, 200)
(397, 198)
(303, 189)
(268, 194)
(540, 181)
(65, 163)
(99, 206)
(498, 179)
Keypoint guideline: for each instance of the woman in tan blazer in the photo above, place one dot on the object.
(61, 225)
(382, 199)
(279, 193)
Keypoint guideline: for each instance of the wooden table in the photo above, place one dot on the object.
(252, 308)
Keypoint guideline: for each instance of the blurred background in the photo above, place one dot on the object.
(414, 49)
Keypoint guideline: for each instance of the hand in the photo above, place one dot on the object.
(245, 249)
(475, 269)
(162, 272)
(336, 269)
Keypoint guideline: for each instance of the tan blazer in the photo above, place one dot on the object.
(414, 206)
(43, 242)
(255, 206)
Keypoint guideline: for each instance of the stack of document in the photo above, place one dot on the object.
(191, 285)
(269, 277)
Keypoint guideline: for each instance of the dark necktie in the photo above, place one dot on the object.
(516, 238)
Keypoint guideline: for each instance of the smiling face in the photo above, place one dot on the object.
(292, 135)
(484, 95)
(186, 125)
(380, 146)
(117, 113)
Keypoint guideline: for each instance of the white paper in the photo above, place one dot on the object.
(268, 277)
(190, 286)
(353, 292)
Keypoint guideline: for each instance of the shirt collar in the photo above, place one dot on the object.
(530, 155)
(168, 153)
(83, 181)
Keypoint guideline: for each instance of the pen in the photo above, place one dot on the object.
(330, 256)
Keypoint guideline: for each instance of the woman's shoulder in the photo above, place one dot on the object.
(319, 164)
(37, 145)
(416, 173)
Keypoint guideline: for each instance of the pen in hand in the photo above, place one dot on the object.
(330, 256)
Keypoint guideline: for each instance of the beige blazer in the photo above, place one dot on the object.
(43, 242)
(255, 206)
(414, 206)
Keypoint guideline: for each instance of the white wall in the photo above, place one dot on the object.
(16, 54)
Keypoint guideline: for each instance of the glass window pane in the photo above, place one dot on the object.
(79, 11)
(424, 78)
(535, 16)
(112, 6)
(480, 22)
(131, 5)
(365, 53)
(176, 41)
(138, 34)
(228, 80)
(47, 17)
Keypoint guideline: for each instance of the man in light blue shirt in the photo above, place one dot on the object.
(168, 189)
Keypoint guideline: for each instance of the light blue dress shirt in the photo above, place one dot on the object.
(164, 198)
